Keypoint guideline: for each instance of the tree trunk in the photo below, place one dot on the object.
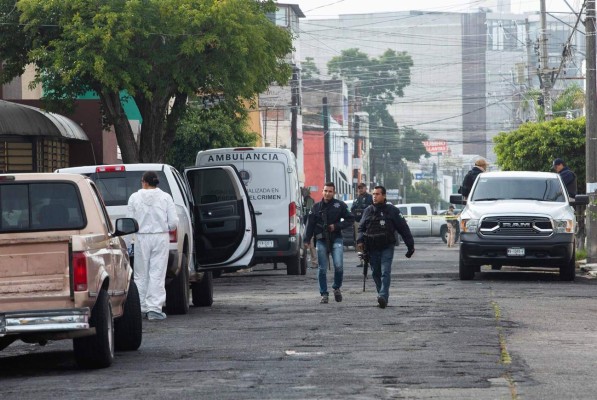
(124, 134)
(152, 130)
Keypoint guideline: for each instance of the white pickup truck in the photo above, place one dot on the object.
(518, 218)
(422, 221)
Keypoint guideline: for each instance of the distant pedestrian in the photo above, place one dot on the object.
(156, 213)
(377, 238)
(308, 203)
(471, 176)
(451, 224)
(359, 204)
(326, 221)
(568, 177)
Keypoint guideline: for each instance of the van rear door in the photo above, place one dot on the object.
(224, 221)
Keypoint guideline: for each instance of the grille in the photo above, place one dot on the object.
(516, 226)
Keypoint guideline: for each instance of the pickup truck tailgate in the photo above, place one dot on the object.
(34, 269)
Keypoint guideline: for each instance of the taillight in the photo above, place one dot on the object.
(173, 236)
(292, 219)
(80, 272)
(110, 168)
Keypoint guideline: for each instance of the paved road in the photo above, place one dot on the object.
(505, 335)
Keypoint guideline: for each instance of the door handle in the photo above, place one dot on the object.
(258, 213)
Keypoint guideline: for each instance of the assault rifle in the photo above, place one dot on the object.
(327, 235)
(364, 256)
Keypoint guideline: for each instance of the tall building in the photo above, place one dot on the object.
(473, 72)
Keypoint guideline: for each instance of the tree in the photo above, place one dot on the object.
(308, 69)
(533, 146)
(378, 82)
(569, 103)
(423, 192)
(159, 52)
(224, 125)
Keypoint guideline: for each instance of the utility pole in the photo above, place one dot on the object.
(591, 134)
(545, 73)
(326, 141)
(294, 90)
(355, 170)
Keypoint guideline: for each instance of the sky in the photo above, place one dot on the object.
(331, 8)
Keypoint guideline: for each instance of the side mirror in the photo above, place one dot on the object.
(579, 199)
(457, 199)
(126, 226)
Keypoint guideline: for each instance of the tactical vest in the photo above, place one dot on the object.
(380, 232)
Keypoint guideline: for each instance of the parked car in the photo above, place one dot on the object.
(520, 219)
(64, 268)
(186, 267)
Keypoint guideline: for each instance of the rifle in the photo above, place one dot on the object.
(364, 256)
(327, 235)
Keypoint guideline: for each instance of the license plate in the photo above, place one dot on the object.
(265, 244)
(516, 252)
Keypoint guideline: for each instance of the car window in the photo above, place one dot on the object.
(40, 206)
(418, 210)
(518, 188)
(116, 187)
(212, 186)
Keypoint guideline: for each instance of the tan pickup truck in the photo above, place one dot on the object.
(64, 269)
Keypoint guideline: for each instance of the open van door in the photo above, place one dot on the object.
(224, 229)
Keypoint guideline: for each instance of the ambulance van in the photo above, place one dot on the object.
(271, 178)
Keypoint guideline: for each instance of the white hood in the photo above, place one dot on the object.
(479, 209)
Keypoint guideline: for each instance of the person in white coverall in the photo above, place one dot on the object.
(155, 212)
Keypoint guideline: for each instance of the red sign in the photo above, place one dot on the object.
(436, 146)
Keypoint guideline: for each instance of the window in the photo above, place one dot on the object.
(117, 187)
(542, 189)
(40, 206)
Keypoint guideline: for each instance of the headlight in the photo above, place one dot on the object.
(563, 226)
(469, 225)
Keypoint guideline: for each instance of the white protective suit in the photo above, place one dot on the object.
(155, 212)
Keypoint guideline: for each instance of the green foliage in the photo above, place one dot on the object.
(200, 129)
(155, 50)
(308, 69)
(533, 146)
(423, 192)
(571, 100)
(379, 81)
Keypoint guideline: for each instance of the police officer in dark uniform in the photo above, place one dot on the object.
(377, 238)
(359, 204)
(325, 222)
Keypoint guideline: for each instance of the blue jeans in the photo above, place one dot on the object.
(381, 270)
(322, 259)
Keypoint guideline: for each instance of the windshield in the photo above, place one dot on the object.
(518, 188)
(117, 187)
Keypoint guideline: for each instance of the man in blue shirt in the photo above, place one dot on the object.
(568, 177)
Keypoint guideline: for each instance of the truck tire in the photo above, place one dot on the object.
(443, 233)
(97, 351)
(128, 329)
(293, 264)
(203, 291)
(177, 291)
(465, 272)
(568, 270)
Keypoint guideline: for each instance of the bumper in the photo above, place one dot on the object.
(283, 247)
(545, 252)
(24, 322)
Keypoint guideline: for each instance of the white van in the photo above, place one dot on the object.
(271, 178)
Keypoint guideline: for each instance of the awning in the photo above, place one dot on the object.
(22, 120)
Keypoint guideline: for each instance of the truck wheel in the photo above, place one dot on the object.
(203, 291)
(465, 272)
(97, 351)
(216, 273)
(304, 263)
(568, 270)
(128, 329)
(443, 232)
(177, 291)
(293, 264)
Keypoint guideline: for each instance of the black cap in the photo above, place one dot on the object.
(557, 161)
